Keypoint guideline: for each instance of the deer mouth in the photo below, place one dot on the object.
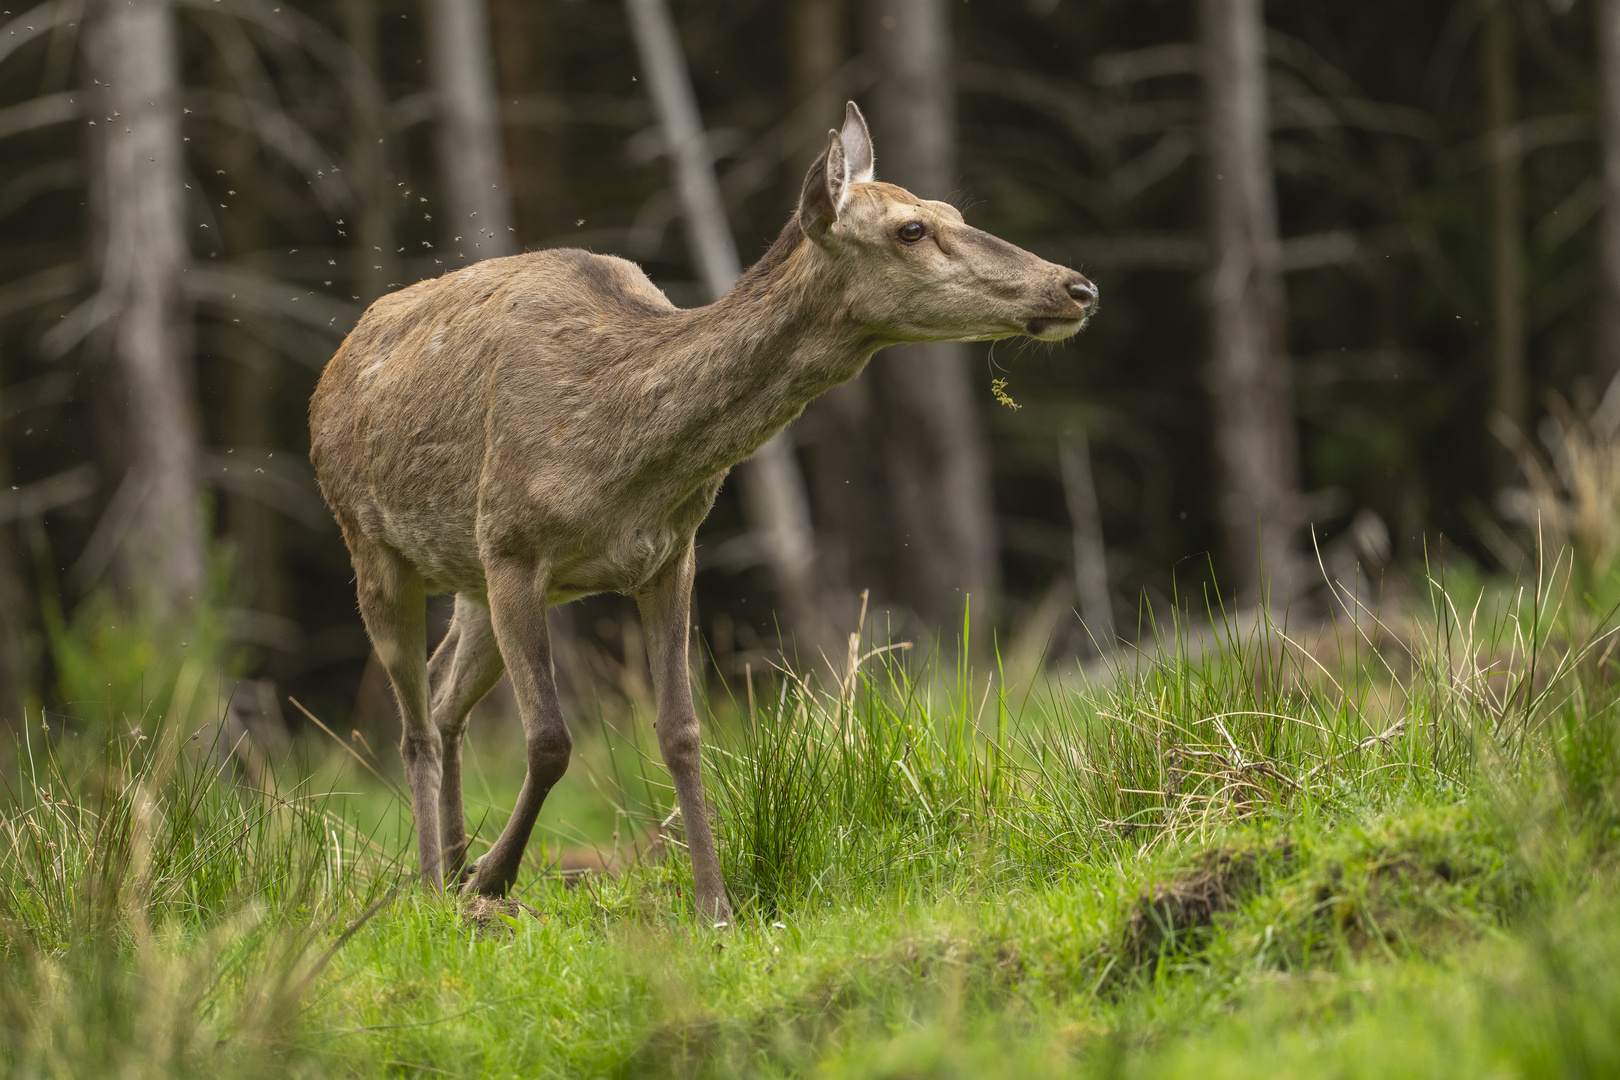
(1054, 329)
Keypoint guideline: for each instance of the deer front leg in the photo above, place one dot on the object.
(517, 607)
(666, 604)
(393, 603)
(464, 668)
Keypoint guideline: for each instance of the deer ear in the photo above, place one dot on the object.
(858, 145)
(826, 188)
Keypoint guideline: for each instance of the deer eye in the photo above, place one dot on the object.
(912, 231)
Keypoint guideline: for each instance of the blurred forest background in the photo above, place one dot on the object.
(1359, 264)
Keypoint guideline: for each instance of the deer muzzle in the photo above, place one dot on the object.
(1080, 299)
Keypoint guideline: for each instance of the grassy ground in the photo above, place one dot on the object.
(1365, 850)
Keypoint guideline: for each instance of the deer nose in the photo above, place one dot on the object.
(1083, 293)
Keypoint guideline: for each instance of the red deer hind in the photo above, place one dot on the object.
(533, 429)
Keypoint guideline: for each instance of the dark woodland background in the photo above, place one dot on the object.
(1425, 318)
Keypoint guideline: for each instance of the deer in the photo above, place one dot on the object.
(533, 429)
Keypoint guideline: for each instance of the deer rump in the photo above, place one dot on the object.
(529, 403)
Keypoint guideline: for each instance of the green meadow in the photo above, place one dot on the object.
(1371, 845)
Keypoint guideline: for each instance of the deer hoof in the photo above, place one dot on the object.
(464, 880)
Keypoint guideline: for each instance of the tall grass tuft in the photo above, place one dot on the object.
(894, 775)
(157, 917)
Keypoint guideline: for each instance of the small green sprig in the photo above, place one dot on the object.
(998, 390)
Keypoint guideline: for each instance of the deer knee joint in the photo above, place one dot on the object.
(548, 756)
(451, 726)
(422, 746)
(450, 741)
(680, 742)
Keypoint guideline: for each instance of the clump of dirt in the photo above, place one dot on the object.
(1171, 914)
(488, 914)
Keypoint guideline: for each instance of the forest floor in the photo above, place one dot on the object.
(1251, 863)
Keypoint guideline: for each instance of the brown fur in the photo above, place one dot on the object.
(536, 428)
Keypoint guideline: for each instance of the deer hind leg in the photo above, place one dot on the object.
(464, 668)
(393, 602)
(666, 604)
(517, 606)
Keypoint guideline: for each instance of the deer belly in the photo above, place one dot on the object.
(622, 563)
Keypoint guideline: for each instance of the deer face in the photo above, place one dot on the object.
(913, 270)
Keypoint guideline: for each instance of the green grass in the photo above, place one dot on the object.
(1365, 850)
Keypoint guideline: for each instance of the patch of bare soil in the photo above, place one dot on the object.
(1168, 913)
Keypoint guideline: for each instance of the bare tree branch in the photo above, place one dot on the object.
(52, 493)
(279, 480)
(34, 23)
(279, 132)
(26, 295)
(234, 288)
(31, 183)
(287, 24)
(40, 112)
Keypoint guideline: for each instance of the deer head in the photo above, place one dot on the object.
(913, 270)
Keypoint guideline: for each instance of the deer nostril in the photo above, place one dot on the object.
(1083, 293)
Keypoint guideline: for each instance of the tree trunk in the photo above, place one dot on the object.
(528, 45)
(938, 468)
(839, 441)
(1090, 556)
(1249, 379)
(244, 428)
(475, 190)
(819, 49)
(1607, 366)
(15, 601)
(1510, 384)
(368, 154)
(255, 528)
(772, 489)
(13, 654)
(130, 54)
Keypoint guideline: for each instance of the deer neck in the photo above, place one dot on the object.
(780, 337)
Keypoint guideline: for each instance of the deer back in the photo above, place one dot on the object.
(519, 396)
